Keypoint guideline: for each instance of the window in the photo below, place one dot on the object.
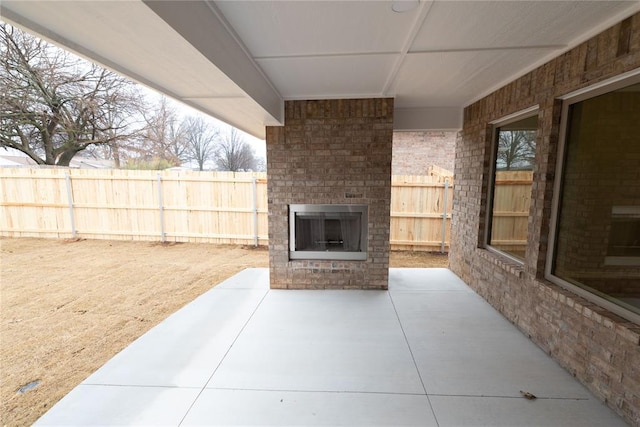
(596, 234)
(513, 160)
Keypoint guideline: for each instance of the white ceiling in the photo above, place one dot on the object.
(239, 60)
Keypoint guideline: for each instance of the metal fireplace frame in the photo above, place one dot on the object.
(309, 209)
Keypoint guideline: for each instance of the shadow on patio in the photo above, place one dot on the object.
(427, 352)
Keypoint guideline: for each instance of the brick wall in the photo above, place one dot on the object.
(414, 152)
(601, 349)
(331, 152)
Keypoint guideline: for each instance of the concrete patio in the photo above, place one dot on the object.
(429, 352)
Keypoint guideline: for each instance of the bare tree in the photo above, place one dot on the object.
(261, 164)
(54, 105)
(516, 149)
(201, 140)
(148, 163)
(164, 137)
(234, 154)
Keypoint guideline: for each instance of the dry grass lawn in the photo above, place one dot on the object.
(68, 306)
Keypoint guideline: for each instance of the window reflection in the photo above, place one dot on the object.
(514, 159)
(598, 234)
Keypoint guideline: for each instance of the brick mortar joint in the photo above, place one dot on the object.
(619, 326)
(623, 328)
(508, 265)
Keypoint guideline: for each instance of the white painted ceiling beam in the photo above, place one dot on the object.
(428, 118)
(204, 27)
(131, 39)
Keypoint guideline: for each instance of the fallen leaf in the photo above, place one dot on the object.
(528, 395)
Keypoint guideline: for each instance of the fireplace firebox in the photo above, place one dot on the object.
(328, 232)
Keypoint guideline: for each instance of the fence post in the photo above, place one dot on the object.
(163, 236)
(444, 214)
(67, 178)
(255, 212)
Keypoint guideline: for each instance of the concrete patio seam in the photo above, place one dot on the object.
(140, 386)
(415, 364)
(506, 397)
(317, 391)
(224, 356)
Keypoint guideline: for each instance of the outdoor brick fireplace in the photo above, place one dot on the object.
(329, 186)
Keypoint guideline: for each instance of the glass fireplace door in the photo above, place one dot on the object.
(328, 232)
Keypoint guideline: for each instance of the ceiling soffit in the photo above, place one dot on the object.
(238, 60)
(436, 59)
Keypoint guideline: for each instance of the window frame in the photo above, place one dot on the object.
(592, 91)
(495, 125)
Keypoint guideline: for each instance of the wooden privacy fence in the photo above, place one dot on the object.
(421, 212)
(186, 206)
(512, 198)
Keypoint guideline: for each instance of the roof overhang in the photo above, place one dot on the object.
(195, 59)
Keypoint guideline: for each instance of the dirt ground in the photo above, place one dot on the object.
(68, 306)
